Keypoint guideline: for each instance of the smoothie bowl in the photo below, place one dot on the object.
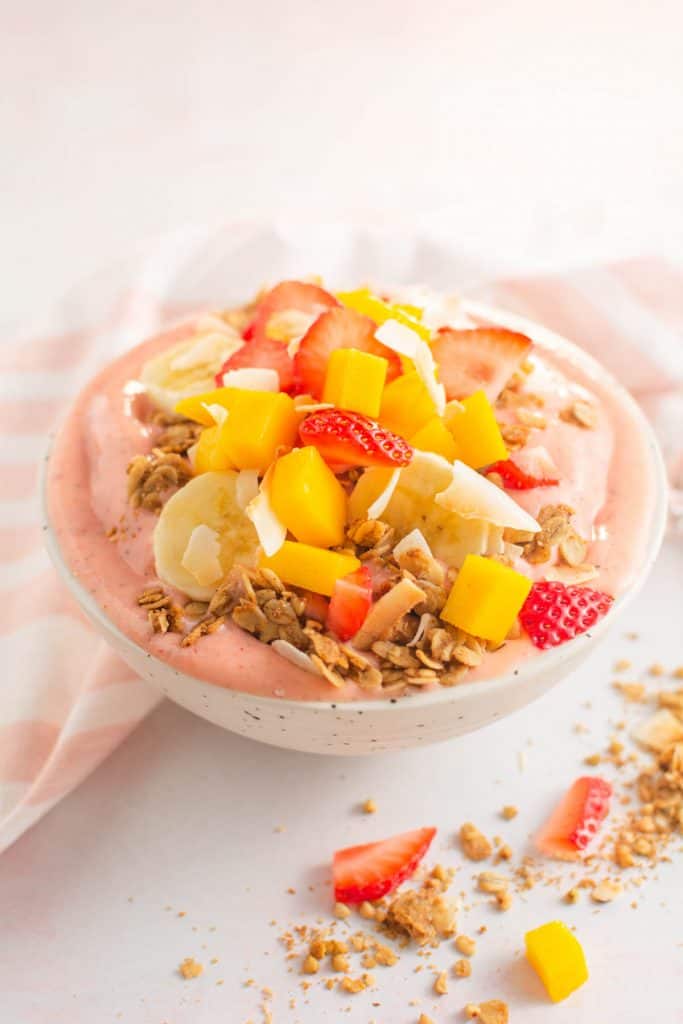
(352, 522)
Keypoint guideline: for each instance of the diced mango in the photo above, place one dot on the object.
(259, 422)
(486, 598)
(557, 957)
(194, 407)
(406, 405)
(363, 301)
(476, 431)
(307, 497)
(209, 456)
(435, 436)
(355, 381)
(312, 568)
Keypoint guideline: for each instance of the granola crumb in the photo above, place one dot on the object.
(592, 760)
(466, 945)
(657, 669)
(678, 672)
(494, 1011)
(340, 963)
(622, 665)
(606, 891)
(462, 968)
(190, 968)
(474, 843)
(424, 1019)
(366, 910)
(504, 900)
(580, 414)
(441, 984)
(634, 692)
(509, 812)
(572, 895)
(342, 911)
(369, 807)
(310, 965)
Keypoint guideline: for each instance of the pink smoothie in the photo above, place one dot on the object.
(606, 474)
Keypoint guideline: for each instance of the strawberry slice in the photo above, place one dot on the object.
(515, 479)
(576, 819)
(352, 439)
(297, 295)
(338, 328)
(263, 353)
(481, 358)
(554, 613)
(371, 871)
(350, 603)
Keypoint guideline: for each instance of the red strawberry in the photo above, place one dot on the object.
(298, 295)
(481, 358)
(554, 612)
(515, 479)
(576, 819)
(371, 871)
(354, 440)
(316, 606)
(263, 353)
(338, 328)
(350, 603)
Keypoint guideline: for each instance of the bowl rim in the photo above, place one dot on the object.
(546, 661)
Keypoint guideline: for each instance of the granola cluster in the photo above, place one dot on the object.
(151, 478)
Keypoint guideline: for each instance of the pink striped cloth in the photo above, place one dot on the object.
(66, 701)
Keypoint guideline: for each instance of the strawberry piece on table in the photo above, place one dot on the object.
(337, 328)
(300, 296)
(264, 353)
(349, 438)
(576, 819)
(478, 359)
(515, 479)
(350, 603)
(554, 613)
(371, 871)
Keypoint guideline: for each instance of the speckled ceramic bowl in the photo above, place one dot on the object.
(364, 727)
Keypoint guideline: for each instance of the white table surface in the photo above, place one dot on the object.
(531, 133)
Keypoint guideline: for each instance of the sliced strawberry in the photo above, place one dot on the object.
(263, 353)
(371, 871)
(317, 606)
(554, 613)
(353, 439)
(515, 479)
(576, 819)
(481, 358)
(338, 328)
(298, 295)
(350, 603)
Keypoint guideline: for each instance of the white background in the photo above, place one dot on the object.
(525, 132)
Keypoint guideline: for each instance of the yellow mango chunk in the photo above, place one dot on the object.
(556, 955)
(208, 455)
(406, 405)
(476, 432)
(307, 497)
(355, 381)
(363, 301)
(486, 598)
(435, 436)
(259, 422)
(194, 407)
(312, 568)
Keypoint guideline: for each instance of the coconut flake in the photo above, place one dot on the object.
(201, 556)
(252, 378)
(293, 654)
(271, 530)
(311, 406)
(398, 338)
(415, 540)
(246, 487)
(218, 413)
(422, 627)
(572, 575)
(382, 500)
(472, 496)
(192, 455)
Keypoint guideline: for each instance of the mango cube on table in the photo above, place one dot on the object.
(435, 436)
(406, 405)
(557, 957)
(476, 432)
(486, 598)
(307, 497)
(257, 425)
(195, 406)
(316, 569)
(363, 301)
(355, 381)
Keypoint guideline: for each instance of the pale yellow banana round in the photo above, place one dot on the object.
(188, 368)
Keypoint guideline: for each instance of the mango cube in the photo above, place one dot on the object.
(312, 568)
(556, 955)
(208, 455)
(355, 381)
(406, 405)
(363, 301)
(194, 407)
(486, 598)
(476, 432)
(435, 436)
(258, 423)
(307, 497)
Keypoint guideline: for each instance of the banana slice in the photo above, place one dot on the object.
(197, 560)
(188, 368)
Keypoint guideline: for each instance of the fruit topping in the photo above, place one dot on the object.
(297, 296)
(476, 432)
(576, 819)
(307, 497)
(363, 301)
(556, 955)
(315, 569)
(554, 613)
(350, 603)
(486, 598)
(515, 479)
(406, 405)
(372, 870)
(258, 424)
(189, 367)
(355, 381)
(348, 438)
(481, 358)
(261, 353)
(435, 437)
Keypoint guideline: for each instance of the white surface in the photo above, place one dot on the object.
(183, 815)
